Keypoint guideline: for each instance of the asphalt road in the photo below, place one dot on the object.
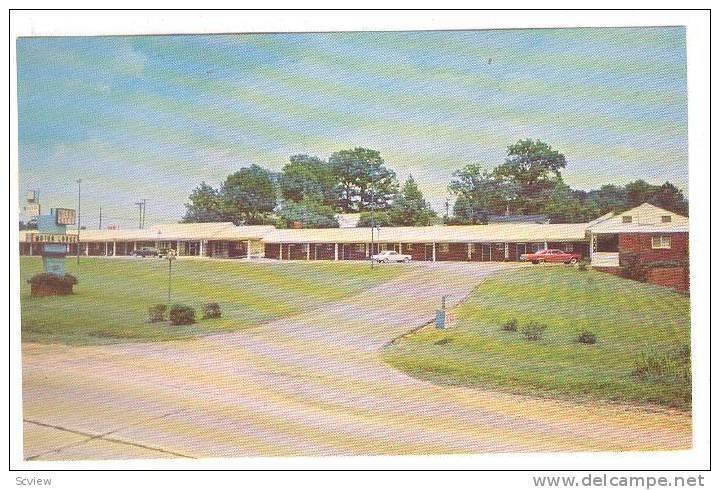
(312, 385)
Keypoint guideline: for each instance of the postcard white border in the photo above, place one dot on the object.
(697, 24)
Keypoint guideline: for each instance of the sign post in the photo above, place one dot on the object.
(52, 234)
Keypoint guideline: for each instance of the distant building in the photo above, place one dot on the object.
(518, 218)
(349, 220)
(648, 236)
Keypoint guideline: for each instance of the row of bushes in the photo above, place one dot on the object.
(534, 331)
(182, 314)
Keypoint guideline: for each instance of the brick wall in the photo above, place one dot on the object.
(671, 277)
(641, 245)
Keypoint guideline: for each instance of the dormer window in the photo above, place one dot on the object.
(666, 219)
(627, 219)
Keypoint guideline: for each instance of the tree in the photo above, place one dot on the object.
(669, 197)
(480, 193)
(606, 199)
(363, 180)
(206, 205)
(535, 168)
(564, 206)
(380, 218)
(308, 177)
(410, 207)
(308, 214)
(249, 195)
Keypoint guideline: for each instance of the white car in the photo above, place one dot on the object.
(391, 256)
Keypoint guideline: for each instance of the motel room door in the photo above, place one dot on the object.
(485, 252)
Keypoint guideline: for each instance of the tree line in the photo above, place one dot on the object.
(309, 192)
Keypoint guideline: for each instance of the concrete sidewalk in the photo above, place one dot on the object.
(312, 384)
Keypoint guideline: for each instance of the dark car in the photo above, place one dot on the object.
(146, 252)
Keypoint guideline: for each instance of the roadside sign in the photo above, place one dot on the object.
(65, 216)
(52, 238)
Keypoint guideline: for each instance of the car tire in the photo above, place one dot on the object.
(405, 261)
(573, 261)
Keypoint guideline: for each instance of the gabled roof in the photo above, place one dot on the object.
(645, 218)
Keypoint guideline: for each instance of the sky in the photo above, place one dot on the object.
(150, 117)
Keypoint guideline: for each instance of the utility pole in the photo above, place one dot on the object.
(144, 207)
(100, 220)
(372, 225)
(447, 209)
(77, 248)
(141, 206)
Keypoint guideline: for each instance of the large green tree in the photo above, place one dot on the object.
(410, 207)
(364, 182)
(206, 205)
(306, 214)
(534, 166)
(480, 193)
(249, 195)
(308, 178)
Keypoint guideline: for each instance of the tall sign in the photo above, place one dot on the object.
(52, 233)
(32, 205)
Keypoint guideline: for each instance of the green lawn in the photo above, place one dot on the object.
(113, 295)
(628, 318)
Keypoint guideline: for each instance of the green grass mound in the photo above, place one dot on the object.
(605, 338)
(113, 297)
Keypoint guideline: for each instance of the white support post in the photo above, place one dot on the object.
(545, 245)
(281, 247)
(399, 248)
(307, 251)
(202, 248)
(106, 249)
(507, 251)
(491, 247)
(433, 252)
(336, 251)
(469, 247)
(248, 249)
(31, 247)
(87, 249)
(114, 248)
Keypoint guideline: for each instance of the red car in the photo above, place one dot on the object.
(551, 255)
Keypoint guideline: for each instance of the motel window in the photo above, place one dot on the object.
(407, 247)
(666, 219)
(568, 247)
(661, 241)
(444, 247)
(627, 219)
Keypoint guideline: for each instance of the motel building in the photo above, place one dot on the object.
(649, 233)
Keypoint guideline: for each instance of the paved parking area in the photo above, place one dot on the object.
(311, 384)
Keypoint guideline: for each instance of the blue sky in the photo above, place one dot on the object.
(153, 116)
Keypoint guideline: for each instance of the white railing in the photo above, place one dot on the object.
(605, 259)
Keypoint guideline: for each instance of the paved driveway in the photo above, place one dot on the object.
(312, 384)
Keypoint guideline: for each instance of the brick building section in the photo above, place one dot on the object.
(641, 245)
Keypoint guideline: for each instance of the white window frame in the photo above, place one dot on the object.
(666, 218)
(627, 219)
(663, 242)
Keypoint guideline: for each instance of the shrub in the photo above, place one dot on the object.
(533, 331)
(510, 325)
(583, 265)
(211, 310)
(633, 268)
(182, 315)
(667, 367)
(52, 280)
(157, 312)
(587, 337)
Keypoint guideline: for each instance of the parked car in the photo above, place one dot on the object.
(146, 252)
(551, 255)
(391, 256)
